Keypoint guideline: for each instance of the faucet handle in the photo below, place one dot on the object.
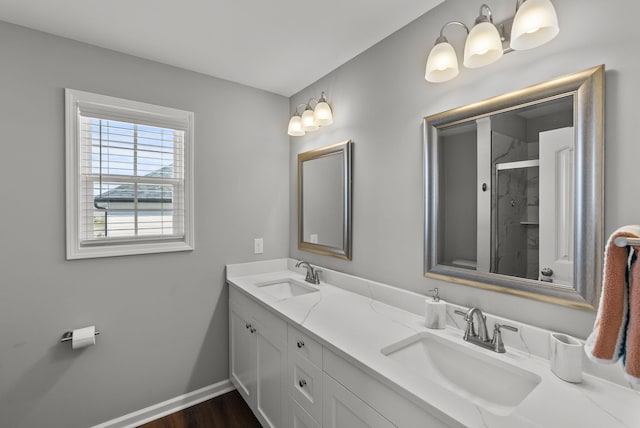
(316, 277)
(470, 330)
(508, 327)
(496, 342)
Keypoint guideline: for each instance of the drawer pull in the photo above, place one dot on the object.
(302, 383)
(300, 344)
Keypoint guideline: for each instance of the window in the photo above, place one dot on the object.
(129, 177)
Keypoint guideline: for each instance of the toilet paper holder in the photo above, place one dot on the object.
(68, 336)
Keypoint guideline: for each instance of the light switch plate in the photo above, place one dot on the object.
(258, 246)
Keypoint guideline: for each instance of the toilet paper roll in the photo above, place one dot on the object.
(83, 337)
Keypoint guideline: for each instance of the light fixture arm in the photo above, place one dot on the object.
(304, 105)
(482, 17)
(442, 38)
(519, 3)
(323, 97)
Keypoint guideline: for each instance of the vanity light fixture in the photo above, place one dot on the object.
(534, 24)
(295, 126)
(312, 118)
(484, 43)
(322, 112)
(442, 64)
(309, 120)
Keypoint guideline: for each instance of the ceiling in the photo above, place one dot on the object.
(280, 46)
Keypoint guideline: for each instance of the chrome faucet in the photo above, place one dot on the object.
(481, 334)
(481, 338)
(312, 274)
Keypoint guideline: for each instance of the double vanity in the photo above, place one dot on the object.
(349, 352)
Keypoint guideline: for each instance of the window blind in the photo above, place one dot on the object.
(131, 180)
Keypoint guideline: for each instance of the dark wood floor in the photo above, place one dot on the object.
(226, 411)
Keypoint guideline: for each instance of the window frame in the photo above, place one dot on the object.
(107, 107)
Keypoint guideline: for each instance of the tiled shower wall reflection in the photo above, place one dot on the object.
(515, 232)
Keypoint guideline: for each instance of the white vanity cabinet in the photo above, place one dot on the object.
(290, 380)
(257, 358)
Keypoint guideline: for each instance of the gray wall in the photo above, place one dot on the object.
(163, 318)
(380, 97)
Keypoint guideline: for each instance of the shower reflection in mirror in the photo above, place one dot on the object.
(512, 215)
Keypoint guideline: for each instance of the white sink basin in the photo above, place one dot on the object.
(484, 379)
(285, 288)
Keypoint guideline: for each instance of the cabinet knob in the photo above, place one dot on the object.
(252, 330)
(247, 326)
(302, 383)
(300, 344)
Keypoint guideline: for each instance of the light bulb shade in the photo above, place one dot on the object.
(309, 121)
(322, 114)
(295, 127)
(535, 24)
(442, 63)
(483, 45)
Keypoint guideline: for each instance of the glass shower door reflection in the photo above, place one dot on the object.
(516, 232)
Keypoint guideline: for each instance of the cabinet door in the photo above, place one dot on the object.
(342, 409)
(242, 354)
(271, 357)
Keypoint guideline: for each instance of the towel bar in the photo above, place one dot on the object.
(623, 241)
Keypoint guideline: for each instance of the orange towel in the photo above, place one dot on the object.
(606, 344)
(631, 359)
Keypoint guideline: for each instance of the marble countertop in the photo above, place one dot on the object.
(357, 327)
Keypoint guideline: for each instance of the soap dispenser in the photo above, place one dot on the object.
(435, 311)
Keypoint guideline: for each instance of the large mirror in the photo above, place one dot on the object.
(324, 200)
(514, 192)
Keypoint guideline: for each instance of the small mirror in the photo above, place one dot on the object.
(514, 191)
(324, 200)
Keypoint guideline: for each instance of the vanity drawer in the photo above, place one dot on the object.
(305, 384)
(298, 417)
(301, 344)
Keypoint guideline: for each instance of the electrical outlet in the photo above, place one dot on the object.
(314, 238)
(258, 246)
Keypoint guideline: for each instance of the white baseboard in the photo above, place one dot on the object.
(172, 405)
